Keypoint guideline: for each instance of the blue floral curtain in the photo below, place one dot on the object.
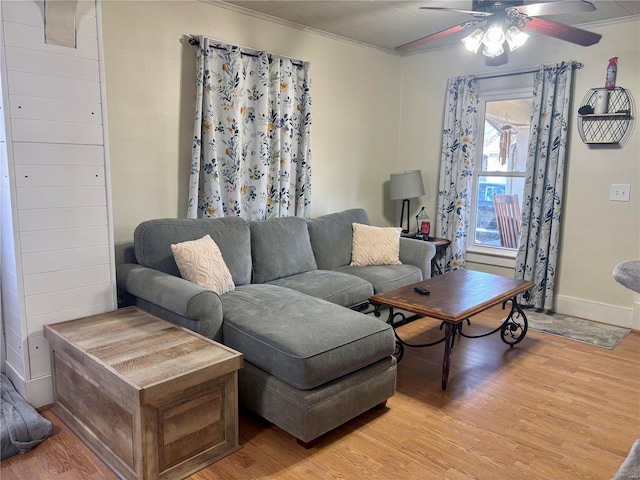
(252, 136)
(542, 203)
(456, 169)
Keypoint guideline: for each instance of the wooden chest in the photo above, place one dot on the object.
(152, 399)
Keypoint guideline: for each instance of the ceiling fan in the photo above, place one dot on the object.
(504, 23)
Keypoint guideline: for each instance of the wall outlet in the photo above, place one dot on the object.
(620, 193)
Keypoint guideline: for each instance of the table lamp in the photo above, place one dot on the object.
(403, 186)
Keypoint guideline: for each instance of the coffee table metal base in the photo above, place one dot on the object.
(512, 330)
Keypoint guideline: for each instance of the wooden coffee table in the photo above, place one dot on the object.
(454, 298)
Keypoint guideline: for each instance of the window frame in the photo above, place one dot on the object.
(491, 255)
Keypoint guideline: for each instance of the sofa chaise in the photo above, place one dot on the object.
(312, 360)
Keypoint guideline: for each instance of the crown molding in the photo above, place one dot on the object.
(609, 21)
(332, 36)
(297, 26)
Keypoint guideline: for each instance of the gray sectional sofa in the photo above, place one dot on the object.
(312, 360)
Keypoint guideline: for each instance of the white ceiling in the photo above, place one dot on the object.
(387, 24)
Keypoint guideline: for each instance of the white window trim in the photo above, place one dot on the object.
(495, 256)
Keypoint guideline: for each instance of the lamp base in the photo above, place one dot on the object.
(405, 230)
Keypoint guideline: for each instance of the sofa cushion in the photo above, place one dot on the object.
(335, 287)
(153, 239)
(306, 414)
(375, 245)
(302, 340)
(385, 277)
(280, 247)
(201, 262)
(332, 236)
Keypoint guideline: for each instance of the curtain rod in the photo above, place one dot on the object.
(575, 65)
(195, 42)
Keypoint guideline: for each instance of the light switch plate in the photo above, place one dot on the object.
(620, 192)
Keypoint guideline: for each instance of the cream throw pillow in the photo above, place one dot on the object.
(201, 262)
(375, 245)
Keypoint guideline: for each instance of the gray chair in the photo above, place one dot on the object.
(628, 274)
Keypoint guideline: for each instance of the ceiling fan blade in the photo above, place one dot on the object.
(434, 36)
(555, 8)
(470, 12)
(561, 31)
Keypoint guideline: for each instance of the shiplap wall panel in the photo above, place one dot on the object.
(36, 322)
(86, 8)
(48, 86)
(53, 218)
(87, 27)
(40, 364)
(3, 141)
(12, 333)
(47, 282)
(26, 13)
(61, 239)
(49, 132)
(61, 190)
(33, 61)
(12, 328)
(39, 345)
(32, 37)
(51, 261)
(14, 355)
(60, 197)
(39, 356)
(57, 154)
(11, 302)
(59, 175)
(38, 108)
(14, 338)
(58, 301)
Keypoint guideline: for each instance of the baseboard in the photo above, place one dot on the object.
(599, 312)
(635, 323)
(16, 378)
(40, 391)
(37, 392)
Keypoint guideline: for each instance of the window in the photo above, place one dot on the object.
(499, 169)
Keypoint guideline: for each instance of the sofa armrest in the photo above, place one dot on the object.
(418, 253)
(173, 298)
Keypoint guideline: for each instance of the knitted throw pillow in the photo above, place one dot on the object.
(375, 245)
(201, 262)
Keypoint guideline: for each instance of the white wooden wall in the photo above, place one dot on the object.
(60, 242)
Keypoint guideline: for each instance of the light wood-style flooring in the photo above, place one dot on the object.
(549, 408)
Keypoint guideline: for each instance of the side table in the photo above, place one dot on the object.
(150, 398)
(441, 245)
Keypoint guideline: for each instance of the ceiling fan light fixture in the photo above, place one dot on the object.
(472, 42)
(502, 15)
(493, 51)
(515, 37)
(493, 37)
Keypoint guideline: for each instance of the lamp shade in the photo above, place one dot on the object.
(406, 185)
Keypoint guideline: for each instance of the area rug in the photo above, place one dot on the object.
(594, 333)
(630, 469)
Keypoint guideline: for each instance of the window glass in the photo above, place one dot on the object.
(500, 171)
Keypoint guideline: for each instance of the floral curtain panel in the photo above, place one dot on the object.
(542, 203)
(456, 169)
(252, 136)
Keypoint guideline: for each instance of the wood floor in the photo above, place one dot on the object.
(549, 408)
